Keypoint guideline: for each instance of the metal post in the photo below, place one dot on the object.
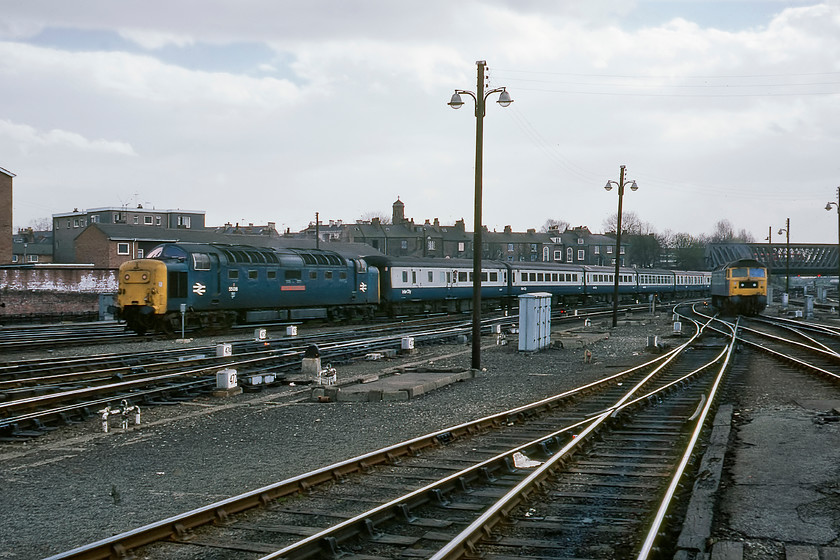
(617, 247)
(828, 207)
(787, 261)
(477, 248)
(183, 313)
(317, 232)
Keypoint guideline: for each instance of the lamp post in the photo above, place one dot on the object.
(480, 98)
(633, 187)
(828, 207)
(786, 231)
(769, 237)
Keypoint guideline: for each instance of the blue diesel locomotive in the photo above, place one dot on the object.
(220, 285)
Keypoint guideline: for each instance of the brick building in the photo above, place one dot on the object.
(6, 216)
(69, 225)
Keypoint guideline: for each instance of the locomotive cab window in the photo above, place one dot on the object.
(201, 261)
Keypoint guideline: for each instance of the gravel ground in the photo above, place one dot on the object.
(77, 485)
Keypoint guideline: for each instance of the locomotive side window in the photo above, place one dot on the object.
(271, 274)
(177, 285)
(342, 275)
(313, 275)
(293, 275)
(233, 273)
(252, 274)
(328, 274)
(201, 261)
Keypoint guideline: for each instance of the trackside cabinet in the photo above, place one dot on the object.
(534, 321)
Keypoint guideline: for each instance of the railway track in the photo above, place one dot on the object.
(553, 478)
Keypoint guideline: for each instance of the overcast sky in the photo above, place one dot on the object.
(271, 110)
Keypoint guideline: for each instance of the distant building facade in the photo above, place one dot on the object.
(404, 237)
(30, 246)
(69, 225)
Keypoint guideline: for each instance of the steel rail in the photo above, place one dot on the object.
(653, 532)
(465, 542)
(180, 524)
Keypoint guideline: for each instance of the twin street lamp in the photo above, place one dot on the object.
(633, 187)
(480, 99)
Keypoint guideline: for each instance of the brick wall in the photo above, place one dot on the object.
(5, 218)
(53, 291)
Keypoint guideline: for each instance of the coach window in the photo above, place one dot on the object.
(413, 276)
(252, 274)
(233, 274)
(539, 277)
(405, 276)
(494, 276)
(462, 277)
(431, 275)
(122, 248)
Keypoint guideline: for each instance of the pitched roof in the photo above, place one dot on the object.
(7, 172)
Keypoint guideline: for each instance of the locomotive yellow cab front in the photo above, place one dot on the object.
(141, 298)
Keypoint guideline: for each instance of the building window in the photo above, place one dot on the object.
(94, 219)
(141, 253)
(510, 247)
(558, 255)
(431, 245)
(597, 249)
(622, 250)
(76, 223)
(546, 254)
(136, 220)
(533, 247)
(461, 247)
(581, 254)
(32, 258)
(570, 254)
(184, 222)
(122, 248)
(157, 220)
(148, 220)
(609, 249)
(14, 258)
(580, 240)
(404, 244)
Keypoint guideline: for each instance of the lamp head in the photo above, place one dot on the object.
(456, 102)
(608, 186)
(781, 231)
(634, 186)
(504, 99)
(828, 206)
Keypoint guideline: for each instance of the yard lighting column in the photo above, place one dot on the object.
(828, 207)
(633, 187)
(480, 98)
(786, 231)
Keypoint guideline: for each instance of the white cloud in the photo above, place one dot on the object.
(27, 138)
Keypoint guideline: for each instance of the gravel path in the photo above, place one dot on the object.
(77, 485)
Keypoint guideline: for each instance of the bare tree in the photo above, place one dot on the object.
(552, 223)
(41, 224)
(369, 216)
(630, 223)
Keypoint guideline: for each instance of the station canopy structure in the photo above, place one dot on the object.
(813, 259)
